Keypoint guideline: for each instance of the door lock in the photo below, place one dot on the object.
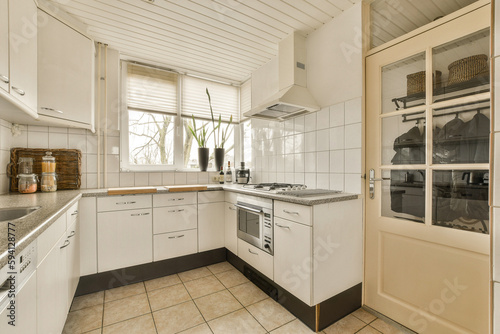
(372, 180)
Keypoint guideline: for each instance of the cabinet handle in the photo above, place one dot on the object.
(290, 212)
(232, 208)
(52, 109)
(180, 199)
(180, 236)
(72, 234)
(180, 210)
(171, 237)
(171, 210)
(19, 91)
(75, 213)
(66, 244)
(282, 226)
(252, 252)
(123, 203)
(4, 78)
(139, 214)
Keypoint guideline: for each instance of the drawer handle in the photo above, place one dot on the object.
(52, 109)
(72, 234)
(176, 199)
(180, 236)
(282, 226)
(172, 210)
(124, 203)
(290, 212)
(139, 214)
(19, 91)
(252, 252)
(180, 210)
(66, 244)
(75, 213)
(4, 78)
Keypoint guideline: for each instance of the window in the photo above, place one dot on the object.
(156, 118)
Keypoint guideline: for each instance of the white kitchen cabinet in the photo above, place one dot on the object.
(23, 52)
(4, 45)
(257, 258)
(124, 239)
(73, 259)
(174, 199)
(65, 74)
(52, 289)
(211, 196)
(210, 226)
(88, 235)
(175, 218)
(128, 202)
(293, 257)
(295, 212)
(230, 228)
(170, 245)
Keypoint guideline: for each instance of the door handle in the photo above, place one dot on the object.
(52, 109)
(4, 78)
(372, 181)
(282, 226)
(252, 252)
(18, 91)
(66, 244)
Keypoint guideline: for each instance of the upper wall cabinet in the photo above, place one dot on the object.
(65, 75)
(4, 45)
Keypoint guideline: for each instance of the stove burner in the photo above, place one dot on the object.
(275, 186)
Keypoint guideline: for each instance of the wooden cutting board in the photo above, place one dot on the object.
(195, 187)
(132, 190)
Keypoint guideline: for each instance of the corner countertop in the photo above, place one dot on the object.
(53, 205)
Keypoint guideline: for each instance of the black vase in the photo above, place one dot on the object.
(203, 158)
(219, 158)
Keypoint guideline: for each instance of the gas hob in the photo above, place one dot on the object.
(296, 190)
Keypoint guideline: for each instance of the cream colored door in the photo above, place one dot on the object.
(427, 225)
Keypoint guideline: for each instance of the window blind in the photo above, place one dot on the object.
(245, 97)
(150, 89)
(225, 99)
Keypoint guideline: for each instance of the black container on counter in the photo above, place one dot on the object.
(242, 174)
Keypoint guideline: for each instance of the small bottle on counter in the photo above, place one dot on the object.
(229, 173)
(221, 176)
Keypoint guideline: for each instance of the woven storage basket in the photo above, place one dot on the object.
(68, 166)
(415, 82)
(467, 68)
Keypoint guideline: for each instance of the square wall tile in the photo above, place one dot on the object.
(353, 111)
(353, 161)
(20, 139)
(337, 182)
(191, 178)
(77, 142)
(310, 122)
(168, 178)
(5, 138)
(141, 179)
(280, 177)
(113, 145)
(323, 140)
(289, 127)
(92, 143)
(298, 143)
(91, 180)
(337, 115)
(298, 178)
(38, 139)
(280, 163)
(180, 178)
(353, 136)
(289, 177)
(84, 181)
(113, 180)
(91, 163)
(113, 162)
(310, 180)
(155, 179)
(127, 179)
(289, 163)
(271, 164)
(310, 163)
(323, 162)
(289, 145)
(323, 181)
(36, 128)
(299, 163)
(323, 119)
(53, 129)
(310, 141)
(299, 124)
(352, 183)
(203, 178)
(58, 140)
(337, 138)
(337, 161)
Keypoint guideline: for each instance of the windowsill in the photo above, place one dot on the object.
(183, 170)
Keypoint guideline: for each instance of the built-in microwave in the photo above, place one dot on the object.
(255, 222)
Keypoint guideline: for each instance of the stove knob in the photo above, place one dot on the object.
(267, 246)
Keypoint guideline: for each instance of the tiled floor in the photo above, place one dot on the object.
(214, 299)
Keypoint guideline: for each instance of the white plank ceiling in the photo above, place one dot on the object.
(227, 39)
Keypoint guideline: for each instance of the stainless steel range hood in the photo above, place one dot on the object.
(293, 97)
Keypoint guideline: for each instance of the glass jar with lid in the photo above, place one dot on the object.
(25, 165)
(48, 182)
(27, 183)
(48, 163)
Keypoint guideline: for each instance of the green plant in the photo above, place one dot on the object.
(203, 135)
(218, 141)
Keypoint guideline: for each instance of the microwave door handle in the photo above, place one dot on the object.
(246, 208)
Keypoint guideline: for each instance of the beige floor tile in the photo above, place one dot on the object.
(270, 314)
(124, 292)
(83, 320)
(237, 322)
(347, 325)
(140, 325)
(177, 318)
(125, 309)
(190, 275)
(295, 327)
(220, 267)
(248, 293)
(231, 278)
(168, 296)
(364, 316)
(200, 329)
(217, 304)
(89, 300)
(204, 286)
(95, 331)
(384, 327)
(162, 282)
(368, 330)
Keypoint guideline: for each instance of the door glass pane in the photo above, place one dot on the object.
(461, 134)
(403, 83)
(460, 199)
(403, 139)
(403, 194)
(463, 65)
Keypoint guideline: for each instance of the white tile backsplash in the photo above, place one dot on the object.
(323, 140)
(310, 141)
(353, 136)
(337, 161)
(323, 162)
(310, 122)
(155, 179)
(353, 111)
(38, 139)
(323, 119)
(192, 178)
(141, 179)
(58, 140)
(337, 115)
(323, 181)
(337, 138)
(299, 163)
(180, 178)
(310, 162)
(353, 161)
(169, 178)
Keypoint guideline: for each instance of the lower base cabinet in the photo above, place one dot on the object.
(210, 226)
(231, 228)
(256, 257)
(170, 245)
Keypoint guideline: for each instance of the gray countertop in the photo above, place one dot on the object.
(53, 205)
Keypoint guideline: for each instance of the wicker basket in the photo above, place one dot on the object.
(68, 166)
(467, 68)
(415, 82)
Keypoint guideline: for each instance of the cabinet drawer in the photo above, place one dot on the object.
(170, 245)
(174, 199)
(211, 196)
(72, 215)
(294, 212)
(257, 258)
(174, 218)
(118, 203)
(49, 237)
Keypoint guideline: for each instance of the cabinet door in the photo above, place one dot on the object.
(52, 290)
(174, 218)
(257, 258)
(88, 235)
(230, 228)
(293, 258)
(210, 226)
(124, 239)
(73, 259)
(4, 45)
(23, 51)
(65, 72)
(26, 309)
(175, 244)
